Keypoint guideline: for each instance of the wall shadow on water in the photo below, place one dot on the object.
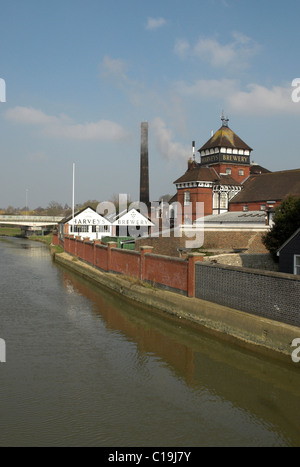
(268, 389)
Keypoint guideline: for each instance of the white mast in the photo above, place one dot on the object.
(73, 196)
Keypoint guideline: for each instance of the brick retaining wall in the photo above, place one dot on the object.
(169, 273)
(270, 295)
(267, 294)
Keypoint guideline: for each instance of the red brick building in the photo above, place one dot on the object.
(226, 180)
(219, 177)
(265, 191)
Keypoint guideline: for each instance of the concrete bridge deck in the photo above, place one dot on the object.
(30, 221)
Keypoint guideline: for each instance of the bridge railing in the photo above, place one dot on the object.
(31, 218)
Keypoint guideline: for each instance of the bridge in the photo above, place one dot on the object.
(30, 224)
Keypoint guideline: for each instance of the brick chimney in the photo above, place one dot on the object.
(144, 177)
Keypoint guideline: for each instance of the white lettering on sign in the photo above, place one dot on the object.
(89, 222)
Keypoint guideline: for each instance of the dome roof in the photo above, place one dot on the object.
(225, 138)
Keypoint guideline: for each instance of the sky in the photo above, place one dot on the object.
(78, 78)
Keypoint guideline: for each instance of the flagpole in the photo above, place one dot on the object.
(73, 196)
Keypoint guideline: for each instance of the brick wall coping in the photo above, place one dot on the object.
(100, 245)
(259, 272)
(129, 252)
(166, 258)
(237, 228)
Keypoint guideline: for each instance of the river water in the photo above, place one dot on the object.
(85, 368)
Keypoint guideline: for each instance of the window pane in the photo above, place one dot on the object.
(187, 197)
(223, 201)
(297, 265)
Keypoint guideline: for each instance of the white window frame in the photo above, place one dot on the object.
(223, 201)
(187, 198)
(297, 266)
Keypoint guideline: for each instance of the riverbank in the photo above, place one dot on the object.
(10, 232)
(247, 330)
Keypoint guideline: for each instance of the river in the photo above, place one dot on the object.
(85, 368)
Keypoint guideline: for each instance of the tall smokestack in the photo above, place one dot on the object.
(144, 179)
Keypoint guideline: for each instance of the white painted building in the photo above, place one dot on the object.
(131, 223)
(86, 223)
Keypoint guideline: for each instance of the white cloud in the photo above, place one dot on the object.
(103, 130)
(114, 67)
(261, 100)
(163, 136)
(254, 99)
(217, 89)
(233, 54)
(182, 46)
(30, 116)
(115, 72)
(212, 51)
(155, 23)
(64, 127)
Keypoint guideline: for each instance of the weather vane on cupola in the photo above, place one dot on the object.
(224, 120)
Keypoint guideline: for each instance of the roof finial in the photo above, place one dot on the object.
(224, 120)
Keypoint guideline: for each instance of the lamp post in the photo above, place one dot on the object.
(27, 202)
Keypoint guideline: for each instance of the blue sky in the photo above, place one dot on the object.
(81, 76)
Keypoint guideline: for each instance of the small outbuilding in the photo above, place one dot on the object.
(132, 223)
(289, 255)
(86, 223)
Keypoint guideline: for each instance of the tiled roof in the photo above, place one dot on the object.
(253, 217)
(228, 180)
(206, 174)
(273, 186)
(173, 199)
(257, 169)
(289, 240)
(199, 174)
(225, 138)
(77, 213)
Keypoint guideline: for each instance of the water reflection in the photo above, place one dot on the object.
(247, 384)
(18, 245)
(87, 368)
